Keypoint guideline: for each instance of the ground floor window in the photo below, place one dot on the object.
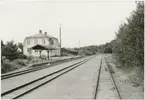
(29, 50)
(36, 50)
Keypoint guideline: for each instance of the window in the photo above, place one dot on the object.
(36, 50)
(51, 41)
(35, 41)
(28, 41)
(43, 41)
(29, 50)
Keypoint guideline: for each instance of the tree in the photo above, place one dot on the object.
(130, 39)
(2, 47)
(108, 49)
(10, 50)
(2, 51)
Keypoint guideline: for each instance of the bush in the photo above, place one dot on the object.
(9, 66)
(22, 56)
(21, 62)
(13, 65)
(30, 58)
(108, 50)
(6, 67)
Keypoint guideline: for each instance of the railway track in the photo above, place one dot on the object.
(98, 78)
(30, 86)
(112, 78)
(115, 85)
(6, 76)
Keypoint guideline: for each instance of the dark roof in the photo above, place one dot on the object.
(43, 47)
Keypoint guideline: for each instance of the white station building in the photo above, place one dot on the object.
(42, 40)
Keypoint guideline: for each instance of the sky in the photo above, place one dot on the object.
(91, 22)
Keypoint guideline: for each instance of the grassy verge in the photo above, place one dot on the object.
(8, 65)
(135, 73)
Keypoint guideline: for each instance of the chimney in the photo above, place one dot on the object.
(45, 33)
(40, 31)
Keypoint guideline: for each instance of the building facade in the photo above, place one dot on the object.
(41, 39)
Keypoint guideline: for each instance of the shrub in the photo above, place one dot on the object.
(6, 67)
(22, 56)
(108, 50)
(21, 62)
(30, 58)
(12, 65)
(9, 66)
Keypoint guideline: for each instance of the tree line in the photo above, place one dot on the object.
(129, 42)
(128, 45)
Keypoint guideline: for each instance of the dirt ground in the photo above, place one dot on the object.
(124, 80)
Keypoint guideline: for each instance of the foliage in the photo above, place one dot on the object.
(10, 50)
(130, 39)
(6, 67)
(13, 65)
(11, 59)
(22, 56)
(22, 62)
(30, 58)
(2, 52)
(108, 49)
(87, 50)
(129, 42)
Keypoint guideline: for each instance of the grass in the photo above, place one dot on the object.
(8, 65)
(137, 77)
(135, 73)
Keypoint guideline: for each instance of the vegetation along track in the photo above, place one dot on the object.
(98, 78)
(30, 86)
(23, 72)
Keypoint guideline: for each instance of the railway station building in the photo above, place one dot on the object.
(41, 45)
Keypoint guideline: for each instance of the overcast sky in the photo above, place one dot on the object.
(91, 22)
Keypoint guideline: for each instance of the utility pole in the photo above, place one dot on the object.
(79, 48)
(60, 37)
(79, 43)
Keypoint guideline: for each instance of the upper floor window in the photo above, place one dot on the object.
(28, 41)
(51, 41)
(35, 41)
(43, 41)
